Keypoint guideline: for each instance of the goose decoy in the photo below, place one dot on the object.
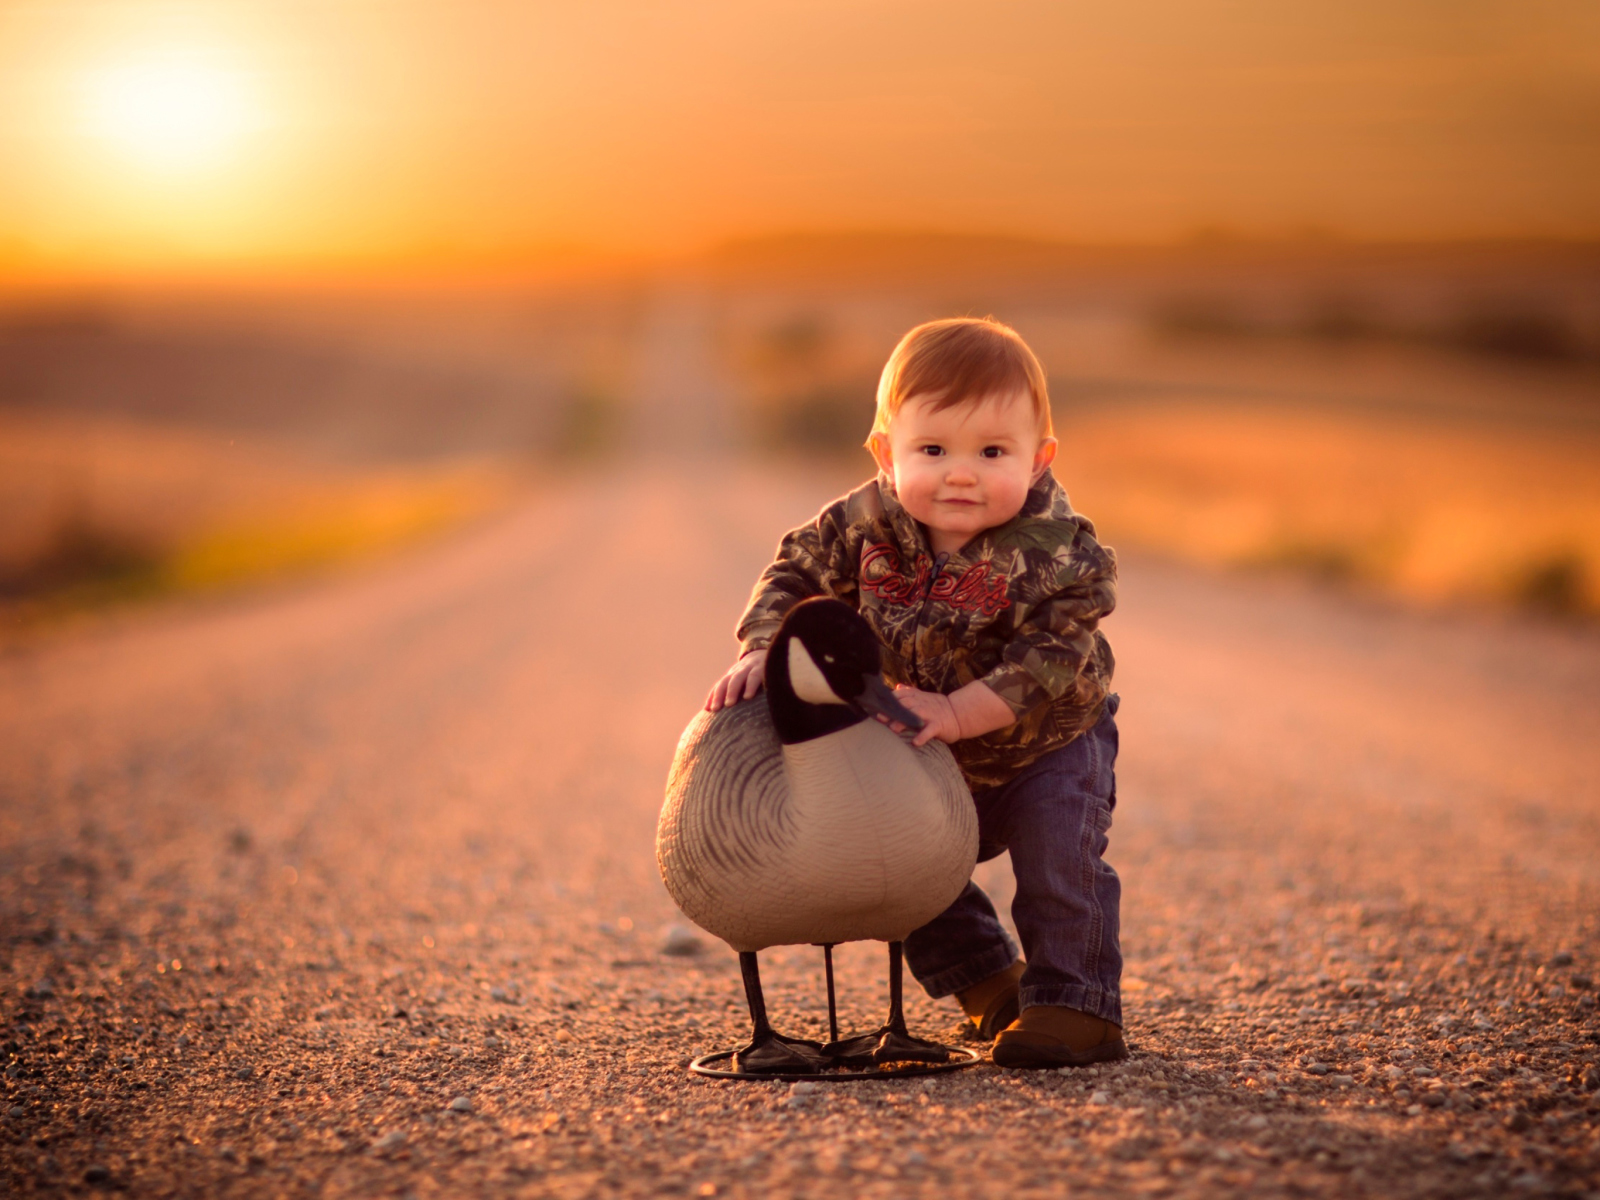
(797, 818)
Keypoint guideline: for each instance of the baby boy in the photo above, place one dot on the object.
(986, 591)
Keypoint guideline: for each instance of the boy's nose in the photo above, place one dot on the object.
(961, 475)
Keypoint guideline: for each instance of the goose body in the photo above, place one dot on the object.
(797, 818)
(849, 836)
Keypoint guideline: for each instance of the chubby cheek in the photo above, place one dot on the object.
(915, 486)
(1008, 494)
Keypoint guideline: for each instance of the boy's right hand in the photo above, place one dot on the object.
(742, 682)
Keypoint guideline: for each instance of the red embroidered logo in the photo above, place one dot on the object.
(977, 589)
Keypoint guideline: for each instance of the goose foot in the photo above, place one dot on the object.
(886, 1045)
(773, 1054)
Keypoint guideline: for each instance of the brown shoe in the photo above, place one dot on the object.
(993, 1004)
(1051, 1036)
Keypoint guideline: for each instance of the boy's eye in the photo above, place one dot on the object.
(992, 451)
(933, 451)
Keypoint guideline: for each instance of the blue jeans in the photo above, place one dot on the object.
(1053, 818)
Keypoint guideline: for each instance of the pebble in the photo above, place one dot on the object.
(16, 1110)
(680, 941)
(460, 1104)
(1101, 1097)
(96, 1173)
(392, 1140)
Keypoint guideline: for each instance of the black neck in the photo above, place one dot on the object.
(794, 719)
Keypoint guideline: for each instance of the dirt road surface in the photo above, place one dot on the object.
(349, 890)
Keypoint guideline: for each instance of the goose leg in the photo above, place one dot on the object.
(770, 1052)
(893, 1042)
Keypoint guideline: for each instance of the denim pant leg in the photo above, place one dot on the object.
(1054, 818)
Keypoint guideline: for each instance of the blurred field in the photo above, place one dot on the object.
(1425, 422)
(102, 510)
(1431, 513)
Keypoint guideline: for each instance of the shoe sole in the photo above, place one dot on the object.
(1041, 1058)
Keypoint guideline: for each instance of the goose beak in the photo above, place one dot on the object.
(877, 700)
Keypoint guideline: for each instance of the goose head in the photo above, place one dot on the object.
(823, 674)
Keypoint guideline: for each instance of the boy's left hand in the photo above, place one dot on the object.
(936, 710)
(969, 711)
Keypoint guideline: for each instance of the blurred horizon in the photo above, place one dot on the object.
(151, 140)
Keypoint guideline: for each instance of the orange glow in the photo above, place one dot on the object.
(170, 113)
(155, 135)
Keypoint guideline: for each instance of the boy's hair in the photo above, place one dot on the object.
(961, 360)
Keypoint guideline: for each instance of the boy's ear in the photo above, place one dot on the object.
(878, 443)
(1044, 456)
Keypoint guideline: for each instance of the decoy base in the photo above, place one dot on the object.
(712, 1066)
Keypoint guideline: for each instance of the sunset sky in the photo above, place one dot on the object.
(142, 136)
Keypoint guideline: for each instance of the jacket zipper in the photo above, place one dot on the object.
(922, 611)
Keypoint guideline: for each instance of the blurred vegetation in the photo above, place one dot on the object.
(110, 514)
(87, 563)
(82, 560)
(1500, 326)
(809, 390)
(590, 425)
(352, 523)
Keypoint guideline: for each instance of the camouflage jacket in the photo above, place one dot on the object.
(1019, 608)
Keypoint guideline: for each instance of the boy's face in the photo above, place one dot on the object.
(964, 469)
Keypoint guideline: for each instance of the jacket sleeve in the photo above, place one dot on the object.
(1055, 642)
(813, 560)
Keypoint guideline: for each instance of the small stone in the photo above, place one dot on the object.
(392, 1140)
(499, 995)
(42, 989)
(96, 1173)
(1343, 1080)
(1100, 1097)
(1434, 1099)
(1319, 1069)
(16, 1110)
(1414, 1110)
(1582, 982)
(804, 1088)
(1518, 1122)
(681, 942)
(460, 1104)
(244, 1072)
(1561, 960)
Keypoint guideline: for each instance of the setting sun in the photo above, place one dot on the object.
(171, 111)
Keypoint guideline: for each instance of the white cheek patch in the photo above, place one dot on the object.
(806, 678)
